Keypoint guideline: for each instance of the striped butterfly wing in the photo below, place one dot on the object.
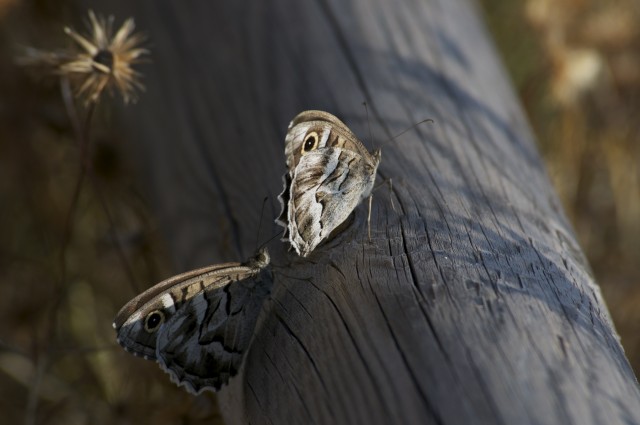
(330, 131)
(326, 187)
(204, 343)
(330, 173)
(138, 322)
(199, 322)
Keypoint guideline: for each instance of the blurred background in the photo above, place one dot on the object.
(574, 63)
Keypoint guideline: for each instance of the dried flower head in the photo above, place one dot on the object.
(106, 60)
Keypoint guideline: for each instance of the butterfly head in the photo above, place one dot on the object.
(137, 327)
(260, 260)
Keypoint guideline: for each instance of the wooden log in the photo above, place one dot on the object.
(473, 302)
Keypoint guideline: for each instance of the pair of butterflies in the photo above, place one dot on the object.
(198, 325)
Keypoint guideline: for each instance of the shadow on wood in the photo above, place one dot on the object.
(472, 303)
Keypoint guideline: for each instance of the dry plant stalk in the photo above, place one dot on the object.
(104, 62)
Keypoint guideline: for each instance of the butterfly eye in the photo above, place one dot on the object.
(153, 321)
(311, 142)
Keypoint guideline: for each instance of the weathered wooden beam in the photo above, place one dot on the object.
(472, 303)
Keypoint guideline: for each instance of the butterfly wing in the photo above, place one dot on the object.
(203, 344)
(283, 198)
(165, 298)
(326, 186)
(325, 183)
(331, 133)
(168, 306)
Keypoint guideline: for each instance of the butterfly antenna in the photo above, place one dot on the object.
(427, 120)
(264, 201)
(269, 240)
(366, 111)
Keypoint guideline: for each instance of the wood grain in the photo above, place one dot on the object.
(473, 302)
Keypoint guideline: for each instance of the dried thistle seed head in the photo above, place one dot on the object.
(106, 60)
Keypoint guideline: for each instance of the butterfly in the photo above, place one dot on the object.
(330, 173)
(198, 325)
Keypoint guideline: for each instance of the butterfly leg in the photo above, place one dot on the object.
(390, 195)
(390, 181)
(369, 217)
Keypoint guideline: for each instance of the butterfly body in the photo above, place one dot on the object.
(330, 173)
(197, 325)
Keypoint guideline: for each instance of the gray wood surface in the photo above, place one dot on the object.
(473, 302)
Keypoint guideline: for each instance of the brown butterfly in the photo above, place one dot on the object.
(197, 325)
(330, 173)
